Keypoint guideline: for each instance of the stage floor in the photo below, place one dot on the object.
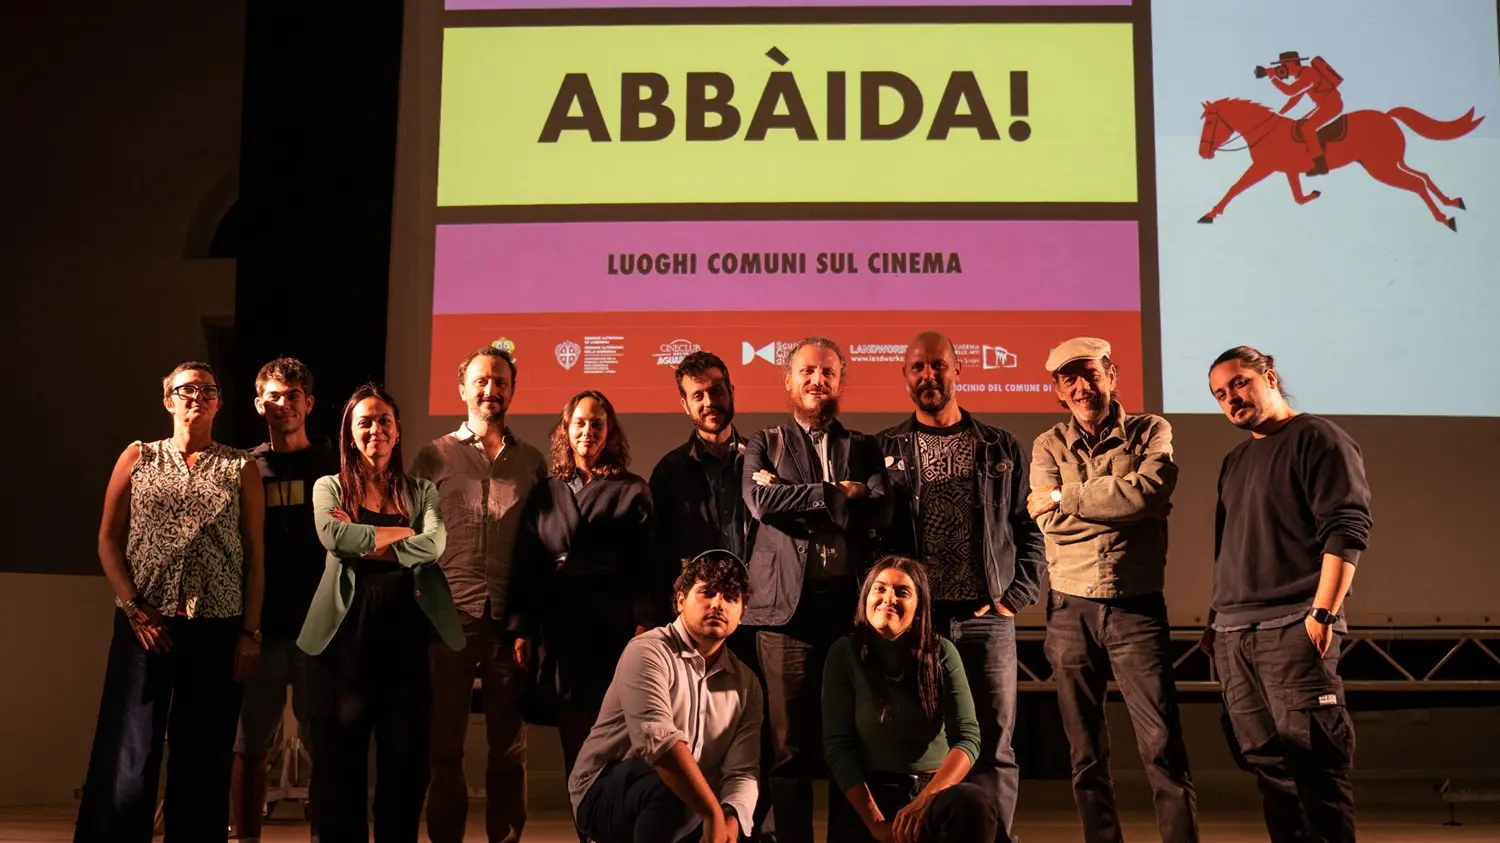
(1048, 825)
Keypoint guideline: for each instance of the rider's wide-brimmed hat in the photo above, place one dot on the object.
(1290, 56)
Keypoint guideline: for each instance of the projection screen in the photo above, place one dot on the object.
(604, 186)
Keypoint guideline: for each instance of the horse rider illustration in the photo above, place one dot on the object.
(1318, 82)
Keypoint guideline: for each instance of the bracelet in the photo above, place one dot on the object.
(130, 607)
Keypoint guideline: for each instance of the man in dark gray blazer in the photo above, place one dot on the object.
(818, 491)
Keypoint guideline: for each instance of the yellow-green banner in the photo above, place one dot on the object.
(788, 113)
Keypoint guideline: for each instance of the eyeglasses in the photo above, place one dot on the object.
(206, 392)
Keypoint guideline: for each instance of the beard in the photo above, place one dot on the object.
(932, 405)
(820, 417)
(715, 424)
(1251, 420)
(711, 633)
(489, 412)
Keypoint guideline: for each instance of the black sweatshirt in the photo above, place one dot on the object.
(1284, 501)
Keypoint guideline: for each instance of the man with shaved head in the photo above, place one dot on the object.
(959, 490)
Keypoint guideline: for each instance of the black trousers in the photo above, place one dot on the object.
(964, 813)
(629, 803)
(791, 661)
(1287, 724)
(188, 695)
(1086, 640)
(373, 680)
(987, 647)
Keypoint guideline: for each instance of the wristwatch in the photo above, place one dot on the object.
(252, 634)
(1323, 616)
(1057, 495)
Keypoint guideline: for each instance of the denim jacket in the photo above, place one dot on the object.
(1014, 551)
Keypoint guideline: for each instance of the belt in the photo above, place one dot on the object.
(911, 783)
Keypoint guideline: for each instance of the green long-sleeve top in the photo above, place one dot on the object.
(856, 740)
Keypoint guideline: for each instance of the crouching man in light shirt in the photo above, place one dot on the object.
(675, 752)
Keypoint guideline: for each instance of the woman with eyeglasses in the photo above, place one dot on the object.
(180, 544)
(381, 602)
(899, 730)
(583, 585)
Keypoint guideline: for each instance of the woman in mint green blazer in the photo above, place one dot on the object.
(381, 603)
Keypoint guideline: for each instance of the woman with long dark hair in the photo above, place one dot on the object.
(584, 586)
(381, 602)
(899, 728)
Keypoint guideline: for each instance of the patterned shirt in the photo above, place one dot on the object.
(945, 459)
(183, 548)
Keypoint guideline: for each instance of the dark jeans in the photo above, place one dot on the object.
(490, 651)
(189, 694)
(987, 647)
(964, 813)
(373, 680)
(1086, 639)
(1289, 727)
(791, 661)
(629, 803)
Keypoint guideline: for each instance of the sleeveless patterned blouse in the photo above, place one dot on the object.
(183, 548)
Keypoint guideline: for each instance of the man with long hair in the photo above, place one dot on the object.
(484, 475)
(1102, 486)
(1293, 519)
(675, 753)
(959, 489)
(817, 491)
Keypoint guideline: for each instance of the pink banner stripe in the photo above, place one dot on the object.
(467, 5)
(1003, 265)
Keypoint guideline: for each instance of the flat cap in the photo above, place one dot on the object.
(1077, 348)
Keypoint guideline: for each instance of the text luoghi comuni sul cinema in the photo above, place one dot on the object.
(786, 263)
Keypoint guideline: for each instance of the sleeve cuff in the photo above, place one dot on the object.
(654, 739)
(742, 800)
(1018, 599)
(1344, 547)
(1072, 495)
(847, 778)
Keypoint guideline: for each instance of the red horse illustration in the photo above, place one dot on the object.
(1370, 138)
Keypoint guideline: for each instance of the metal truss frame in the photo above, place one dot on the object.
(1382, 659)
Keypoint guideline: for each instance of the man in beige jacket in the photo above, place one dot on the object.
(1101, 488)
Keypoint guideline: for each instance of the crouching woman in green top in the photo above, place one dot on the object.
(380, 603)
(899, 728)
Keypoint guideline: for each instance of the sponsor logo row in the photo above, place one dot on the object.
(602, 354)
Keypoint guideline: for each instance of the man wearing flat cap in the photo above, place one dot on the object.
(1101, 488)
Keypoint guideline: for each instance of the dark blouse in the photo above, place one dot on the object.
(366, 567)
(583, 586)
(596, 538)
